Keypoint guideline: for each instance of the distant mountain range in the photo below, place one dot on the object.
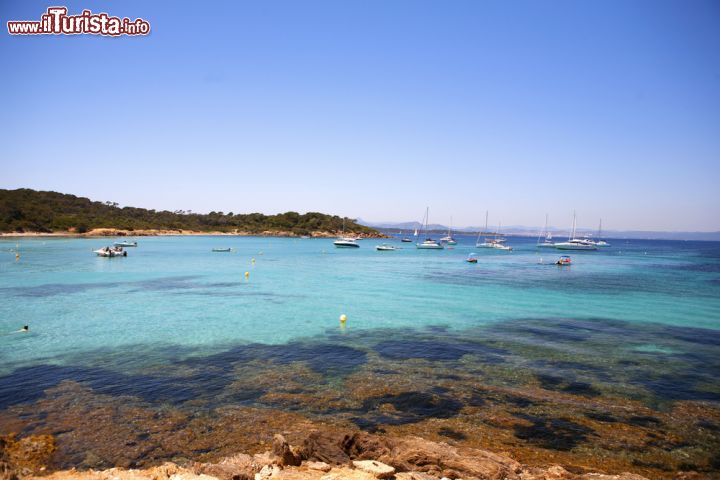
(393, 227)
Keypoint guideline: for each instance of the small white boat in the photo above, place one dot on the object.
(222, 249)
(497, 243)
(429, 243)
(545, 242)
(406, 240)
(448, 239)
(346, 242)
(601, 243)
(125, 244)
(109, 252)
(385, 248)
(563, 260)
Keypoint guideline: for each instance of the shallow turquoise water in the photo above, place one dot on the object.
(175, 291)
(176, 331)
(173, 297)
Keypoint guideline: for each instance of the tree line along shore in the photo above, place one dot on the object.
(31, 212)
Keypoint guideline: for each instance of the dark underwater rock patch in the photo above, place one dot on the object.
(437, 350)
(28, 384)
(408, 407)
(551, 433)
(643, 421)
(601, 417)
(453, 434)
(325, 358)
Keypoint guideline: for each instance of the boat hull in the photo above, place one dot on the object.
(341, 244)
(574, 246)
(429, 246)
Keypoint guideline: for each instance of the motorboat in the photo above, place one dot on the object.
(109, 252)
(346, 242)
(406, 240)
(125, 244)
(386, 248)
(428, 243)
(563, 260)
(221, 249)
(472, 258)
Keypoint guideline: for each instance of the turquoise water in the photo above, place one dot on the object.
(626, 334)
(174, 292)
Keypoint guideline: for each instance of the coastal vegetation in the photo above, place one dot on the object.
(26, 210)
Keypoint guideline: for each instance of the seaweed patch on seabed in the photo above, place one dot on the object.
(551, 433)
(437, 350)
(528, 390)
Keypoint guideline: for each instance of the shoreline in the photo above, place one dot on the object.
(114, 232)
(317, 454)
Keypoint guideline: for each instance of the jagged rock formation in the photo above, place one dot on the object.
(322, 456)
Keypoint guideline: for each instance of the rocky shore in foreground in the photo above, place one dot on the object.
(321, 456)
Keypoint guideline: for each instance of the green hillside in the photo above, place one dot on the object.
(26, 210)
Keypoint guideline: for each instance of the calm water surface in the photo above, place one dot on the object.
(175, 324)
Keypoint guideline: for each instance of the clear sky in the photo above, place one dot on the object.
(377, 109)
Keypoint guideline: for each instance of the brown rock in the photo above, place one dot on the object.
(326, 447)
(417, 454)
(322, 466)
(237, 467)
(414, 476)
(377, 469)
(347, 474)
(286, 456)
(363, 446)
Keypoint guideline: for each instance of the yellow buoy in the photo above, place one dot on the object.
(247, 275)
(343, 318)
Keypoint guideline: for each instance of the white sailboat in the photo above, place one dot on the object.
(449, 238)
(574, 243)
(487, 242)
(599, 242)
(428, 243)
(497, 242)
(545, 238)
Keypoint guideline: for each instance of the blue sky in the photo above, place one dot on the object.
(376, 109)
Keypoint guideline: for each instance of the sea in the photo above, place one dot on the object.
(169, 352)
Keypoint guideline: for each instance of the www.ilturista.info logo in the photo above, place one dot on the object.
(57, 22)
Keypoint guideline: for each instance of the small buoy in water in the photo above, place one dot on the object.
(17, 257)
(343, 318)
(247, 275)
(253, 261)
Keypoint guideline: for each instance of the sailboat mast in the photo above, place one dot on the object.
(543, 233)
